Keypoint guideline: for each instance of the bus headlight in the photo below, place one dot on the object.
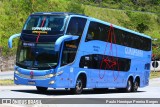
(16, 72)
(15, 79)
(49, 75)
(52, 75)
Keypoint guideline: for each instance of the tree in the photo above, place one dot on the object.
(142, 27)
(156, 2)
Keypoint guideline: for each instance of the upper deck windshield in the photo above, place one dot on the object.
(45, 24)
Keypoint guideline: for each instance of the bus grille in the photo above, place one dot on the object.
(33, 77)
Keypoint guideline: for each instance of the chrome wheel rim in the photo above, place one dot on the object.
(129, 86)
(79, 86)
(136, 86)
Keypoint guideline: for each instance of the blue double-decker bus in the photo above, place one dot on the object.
(73, 51)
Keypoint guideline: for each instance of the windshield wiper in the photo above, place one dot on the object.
(50, 66)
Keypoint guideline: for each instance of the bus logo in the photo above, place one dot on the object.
(31, 74)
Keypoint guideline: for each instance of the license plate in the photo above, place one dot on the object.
(31, 82)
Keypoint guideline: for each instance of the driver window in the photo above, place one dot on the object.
(69, 52)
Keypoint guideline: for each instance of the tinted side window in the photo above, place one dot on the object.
(97, 31)
(76, 26)
(105, 62)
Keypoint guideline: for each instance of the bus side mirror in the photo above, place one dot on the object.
(11, 38)
(64, 38)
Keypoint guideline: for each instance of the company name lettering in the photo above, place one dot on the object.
(41, 28)
(134, 52)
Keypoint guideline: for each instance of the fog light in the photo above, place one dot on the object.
(52, 82)
(15, 78)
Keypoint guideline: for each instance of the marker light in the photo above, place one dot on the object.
(51, 82)
(59, 73)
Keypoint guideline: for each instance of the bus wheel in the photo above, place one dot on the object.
(135, 86)
(129, 86)
(41, 89)
(79, 86)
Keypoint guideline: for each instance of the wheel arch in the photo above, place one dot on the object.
(84, 76)
(130, 77)
(137, 78)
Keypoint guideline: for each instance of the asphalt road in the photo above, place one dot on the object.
(19, 91)
(6, 75)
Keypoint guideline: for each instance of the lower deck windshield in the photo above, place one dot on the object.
(36, 56)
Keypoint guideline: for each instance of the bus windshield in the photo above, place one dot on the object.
(46, 23)
(37, 56)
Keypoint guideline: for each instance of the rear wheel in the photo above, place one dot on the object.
(79, 86)
(129, 86)
(41, 89)
(135, 86)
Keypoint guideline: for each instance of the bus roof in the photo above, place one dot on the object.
(56, 13)
(92, 19)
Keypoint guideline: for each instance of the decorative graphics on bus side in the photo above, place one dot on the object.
(40, 33)
(110, 61)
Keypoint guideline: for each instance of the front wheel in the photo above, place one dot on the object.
(41, 89)
(79, 86)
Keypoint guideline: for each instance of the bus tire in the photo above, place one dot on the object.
(135, 86)
(79, 86)
(41, 89)
(129, 86)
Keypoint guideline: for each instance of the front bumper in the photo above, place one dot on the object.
(43, 82)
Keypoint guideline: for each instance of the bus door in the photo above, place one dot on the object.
(85, 64)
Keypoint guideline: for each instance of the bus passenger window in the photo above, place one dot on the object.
(92, 31)
(76, 26)
(90, 35)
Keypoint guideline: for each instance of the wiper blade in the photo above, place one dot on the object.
(50, 66)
